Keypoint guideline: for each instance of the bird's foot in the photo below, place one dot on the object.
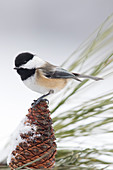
(42, 99)
(38, 101)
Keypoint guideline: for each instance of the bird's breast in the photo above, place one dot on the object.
(39, 83)
(50, 83)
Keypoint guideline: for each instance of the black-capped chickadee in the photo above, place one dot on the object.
(43, 77)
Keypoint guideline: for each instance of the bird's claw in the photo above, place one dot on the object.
(38, 101)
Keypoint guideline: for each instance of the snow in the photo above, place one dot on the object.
(16, 138)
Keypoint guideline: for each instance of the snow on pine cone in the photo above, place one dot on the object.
(34, 140)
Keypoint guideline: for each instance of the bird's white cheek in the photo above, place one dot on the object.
(34, 63)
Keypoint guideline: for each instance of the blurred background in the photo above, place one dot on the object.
(50, 29)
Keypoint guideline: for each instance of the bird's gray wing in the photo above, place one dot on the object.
(57, 73)
(54, 72)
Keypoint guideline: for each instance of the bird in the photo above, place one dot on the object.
(44, 77)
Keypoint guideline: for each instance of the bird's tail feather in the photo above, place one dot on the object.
(87, 77)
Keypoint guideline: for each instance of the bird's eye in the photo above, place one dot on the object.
(25, 62)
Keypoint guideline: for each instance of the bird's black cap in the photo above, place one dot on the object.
(23, 58)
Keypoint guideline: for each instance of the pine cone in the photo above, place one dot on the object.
(34, 140)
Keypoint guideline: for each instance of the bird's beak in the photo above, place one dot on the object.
(16, 68)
